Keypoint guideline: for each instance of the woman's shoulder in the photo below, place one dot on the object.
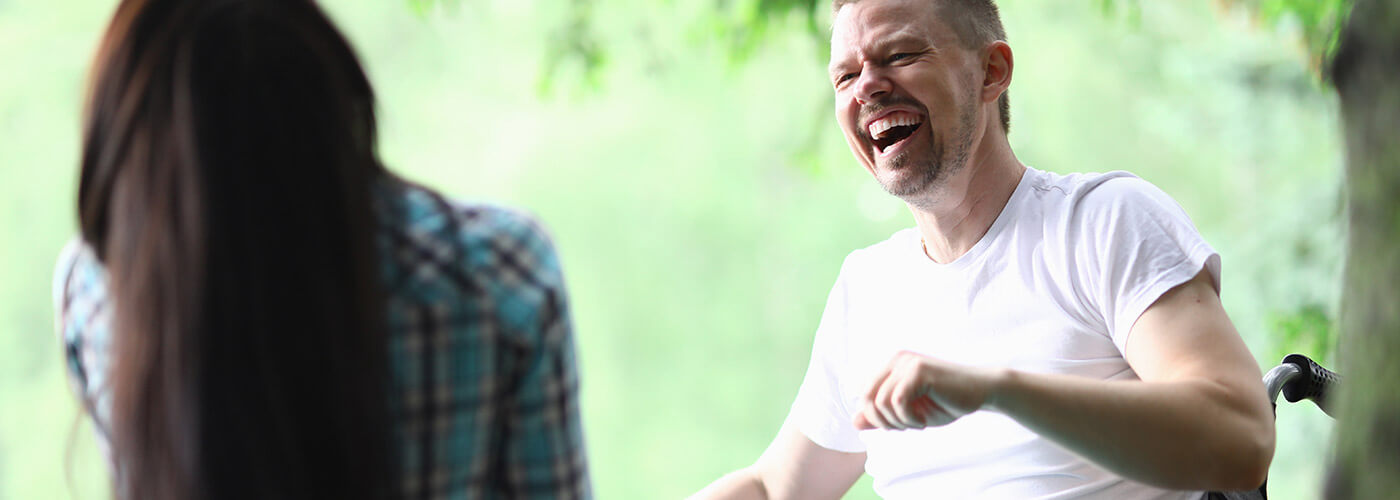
(426, 211)
(483, 239)
(489, 262)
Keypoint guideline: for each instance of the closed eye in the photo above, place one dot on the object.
(902, 56)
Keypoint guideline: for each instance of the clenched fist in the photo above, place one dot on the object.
(915, 391)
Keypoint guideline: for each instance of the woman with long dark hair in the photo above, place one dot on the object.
(257, 309)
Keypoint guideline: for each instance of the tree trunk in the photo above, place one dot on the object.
(1365, 72)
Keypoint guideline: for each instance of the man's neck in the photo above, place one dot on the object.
(970, 201)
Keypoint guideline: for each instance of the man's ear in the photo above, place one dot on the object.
(997, 64)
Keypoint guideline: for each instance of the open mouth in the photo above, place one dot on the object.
(888, 132)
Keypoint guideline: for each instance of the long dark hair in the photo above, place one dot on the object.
(227, 177)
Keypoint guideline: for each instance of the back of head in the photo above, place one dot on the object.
(226, 186)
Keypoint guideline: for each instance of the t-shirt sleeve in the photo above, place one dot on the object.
(820, 411)
(1139, 244)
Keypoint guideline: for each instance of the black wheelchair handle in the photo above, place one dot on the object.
(1314, 383)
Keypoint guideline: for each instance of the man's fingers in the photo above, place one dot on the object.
(899, 399)
(880, 377)
(884, 400)
(875, 418)
(863, 423)
(927, 413)
(871, 415)
(930, 414)
(904, 398)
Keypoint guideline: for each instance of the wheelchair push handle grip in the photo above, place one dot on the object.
(1314, 383)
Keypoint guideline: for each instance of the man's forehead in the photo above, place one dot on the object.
(859, 25)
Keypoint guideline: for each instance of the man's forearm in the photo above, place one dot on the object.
(793, 467)
(742, 484)
(1190, 434)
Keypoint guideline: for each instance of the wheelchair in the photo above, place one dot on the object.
(1297, 378)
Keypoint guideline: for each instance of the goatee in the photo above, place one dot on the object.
(918, 185)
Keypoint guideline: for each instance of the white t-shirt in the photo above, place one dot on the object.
(1053, 287)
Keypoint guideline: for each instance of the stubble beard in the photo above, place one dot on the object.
(920, 186)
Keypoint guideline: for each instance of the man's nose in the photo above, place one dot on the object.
(871, 84)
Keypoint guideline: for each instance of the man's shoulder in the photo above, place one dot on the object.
(1079, 185)
(1088, 197)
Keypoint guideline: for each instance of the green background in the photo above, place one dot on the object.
(702, 207)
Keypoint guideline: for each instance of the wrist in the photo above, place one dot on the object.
(1001, 383)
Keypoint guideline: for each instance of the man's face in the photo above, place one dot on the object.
(906, 93)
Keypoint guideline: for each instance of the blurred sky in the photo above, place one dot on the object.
(702, 208)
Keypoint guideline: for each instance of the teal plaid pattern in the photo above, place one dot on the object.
(485, 385)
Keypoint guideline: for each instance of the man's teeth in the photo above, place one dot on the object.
(879, 127)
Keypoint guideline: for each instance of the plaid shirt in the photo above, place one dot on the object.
(485, 390)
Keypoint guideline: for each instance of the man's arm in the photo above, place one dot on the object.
(792, 467)
(1199, 419)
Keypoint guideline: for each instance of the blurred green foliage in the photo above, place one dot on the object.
(745, 25)
(702, 207)
(1309, 330)
(1318, 21)
(573, 41)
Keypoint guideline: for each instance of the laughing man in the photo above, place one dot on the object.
(1034, 335)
